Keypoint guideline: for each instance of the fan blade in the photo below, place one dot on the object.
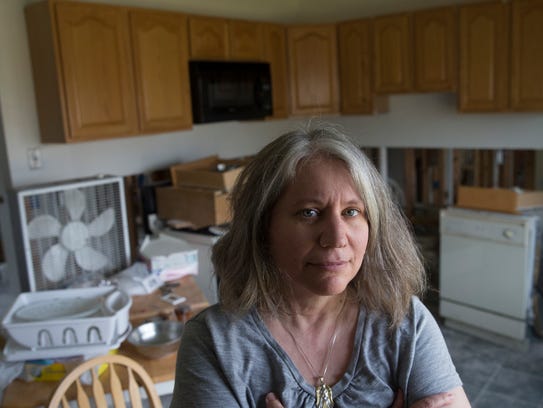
(90, 259)
(54, 263)
(74, 203)
(43, 226)
(102, 224)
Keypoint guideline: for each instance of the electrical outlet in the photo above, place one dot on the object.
(34, 158)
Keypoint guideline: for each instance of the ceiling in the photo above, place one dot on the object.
(294, 11)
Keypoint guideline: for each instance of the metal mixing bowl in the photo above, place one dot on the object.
(156, 339)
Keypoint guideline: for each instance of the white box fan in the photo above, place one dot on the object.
(74, 232)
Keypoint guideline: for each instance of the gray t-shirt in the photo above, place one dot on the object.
(234, 362)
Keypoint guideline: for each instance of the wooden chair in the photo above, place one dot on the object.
(123, 374)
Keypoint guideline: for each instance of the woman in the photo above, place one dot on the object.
(319, 277)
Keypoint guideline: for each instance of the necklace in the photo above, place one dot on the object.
(323, 392)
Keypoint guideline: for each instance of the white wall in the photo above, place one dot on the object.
(413, 121)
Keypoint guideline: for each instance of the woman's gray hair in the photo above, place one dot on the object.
(392, 270)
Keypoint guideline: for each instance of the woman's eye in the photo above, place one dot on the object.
(309, 213)
(352, 212)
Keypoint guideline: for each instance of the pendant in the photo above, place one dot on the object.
(323, 395)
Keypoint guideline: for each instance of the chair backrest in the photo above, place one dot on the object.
(83, 384)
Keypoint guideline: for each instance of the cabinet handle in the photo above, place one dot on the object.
(509, 234)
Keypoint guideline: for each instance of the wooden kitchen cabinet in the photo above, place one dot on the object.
(484, 39)
(208, 38)
(527, 55)
(355, 66)
(275, 53)
(160, 46)
(313, 71)
(245, 40)
(218, 38)
(393, 54)
(435, 38)
(82, 71)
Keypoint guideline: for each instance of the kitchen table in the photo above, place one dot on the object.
(22, 394)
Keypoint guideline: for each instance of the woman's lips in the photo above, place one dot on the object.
(328, 264)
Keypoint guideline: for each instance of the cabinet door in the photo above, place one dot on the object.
(161, 65)
(245, 40)
(96, 71)
(208, 38)
(275, 52)
(527, 56)
(393, 54)
(355, 67)
(313, 69)
(483, 57)
(435, 50)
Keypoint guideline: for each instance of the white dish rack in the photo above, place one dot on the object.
(90, 320)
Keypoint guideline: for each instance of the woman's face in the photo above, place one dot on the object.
(318, 229)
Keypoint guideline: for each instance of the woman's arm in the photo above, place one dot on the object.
(459, 399)
(445, 399)
(432, 370)
(455, 398)
(199, 379)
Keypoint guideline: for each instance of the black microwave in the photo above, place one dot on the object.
(222, 91)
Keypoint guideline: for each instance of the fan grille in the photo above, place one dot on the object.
(100, 194)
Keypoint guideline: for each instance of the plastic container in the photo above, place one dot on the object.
(68, 318)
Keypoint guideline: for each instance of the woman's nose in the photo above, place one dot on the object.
(333, 233)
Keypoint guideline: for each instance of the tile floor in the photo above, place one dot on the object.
(497, 376)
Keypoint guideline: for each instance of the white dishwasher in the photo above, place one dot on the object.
(486, 276)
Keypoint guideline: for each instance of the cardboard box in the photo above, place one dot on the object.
(498, 199)
(201, 207)
(204, 173)
(169, 258)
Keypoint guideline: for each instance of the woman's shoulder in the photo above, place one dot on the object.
(418, 315)
(212, 315)
(419, 318)
(216, 318)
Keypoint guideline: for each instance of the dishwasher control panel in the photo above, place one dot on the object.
(512, 233)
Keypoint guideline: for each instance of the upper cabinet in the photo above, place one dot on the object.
(160, 59)
(82, 71)
(501, 57)
(218, 38)
(393, 52)
(527, 56)
(484, 57)
(208, 38)
(245, 40)
(355, 66)
(435, 38)
(312, 51)
(92, 82)
(275, 52)
(105, 71)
